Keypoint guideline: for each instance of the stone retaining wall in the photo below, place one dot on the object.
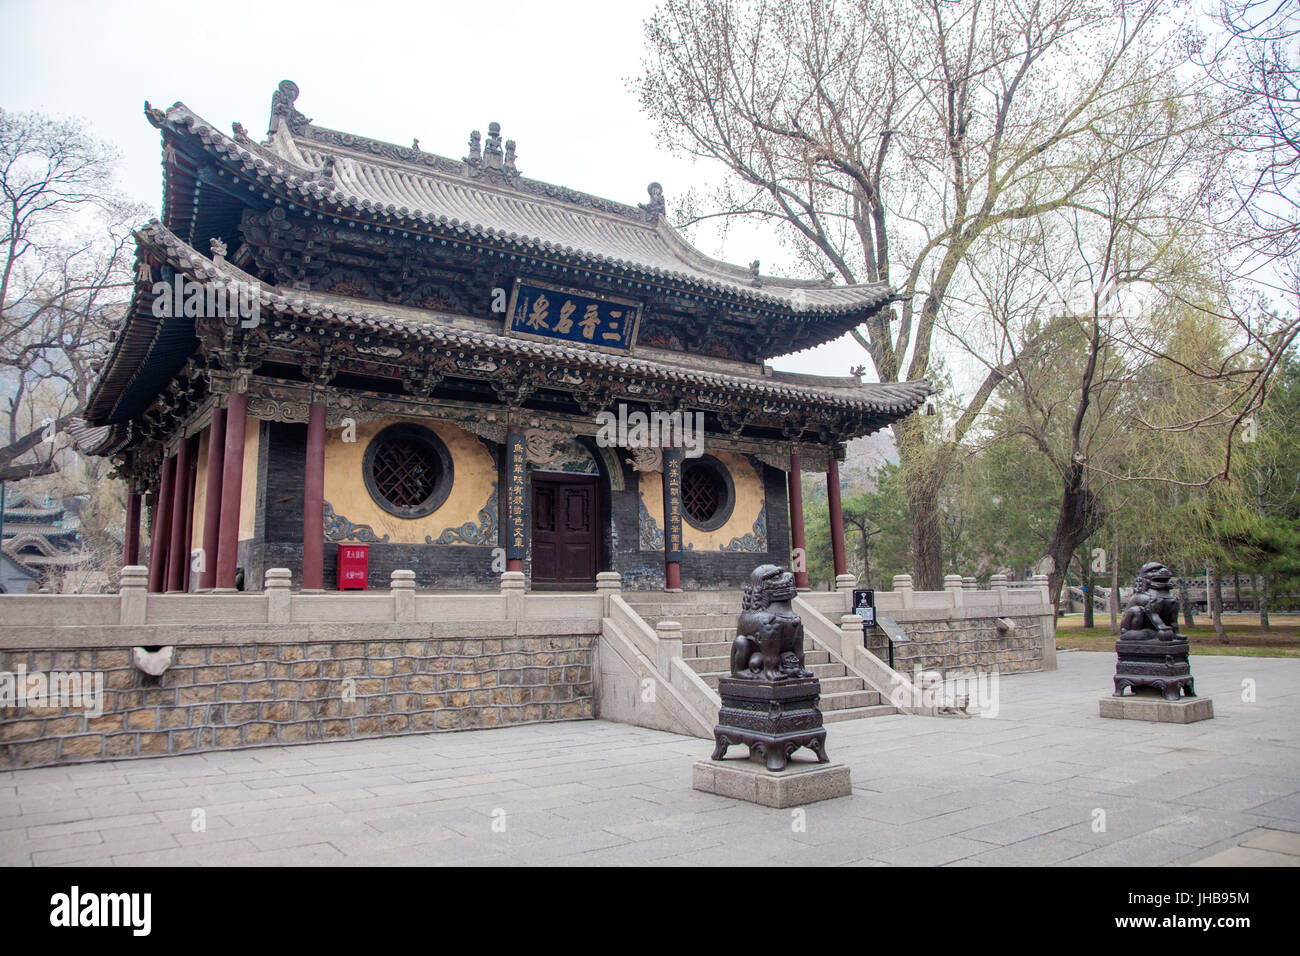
(974, 643)
(230, 696)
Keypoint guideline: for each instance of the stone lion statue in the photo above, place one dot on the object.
(769, 639)
(1152, 612)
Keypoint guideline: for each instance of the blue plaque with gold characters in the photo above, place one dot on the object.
(553, 313)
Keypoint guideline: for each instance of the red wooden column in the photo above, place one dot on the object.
(313, 502)
(191, 483)
(161, 523)
(131, 540)
(232, 483)
(176, 550)
(212, 498)
(796, 522)
(837, 514)
(672, 519)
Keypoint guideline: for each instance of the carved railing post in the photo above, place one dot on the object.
(402, 585)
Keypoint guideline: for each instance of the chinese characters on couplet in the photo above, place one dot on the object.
(673, 504)
(517, 452)
(572, 317)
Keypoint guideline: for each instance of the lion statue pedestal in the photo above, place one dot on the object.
(1150, 652)
(769, 702)
(1152, 659)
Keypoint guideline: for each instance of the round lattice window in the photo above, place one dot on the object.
(408, 471)
(707, 493)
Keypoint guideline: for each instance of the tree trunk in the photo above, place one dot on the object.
(1261, 595)
(1079, 519)
(921, 479)
(1114, 583)
(1089, 583)
(1215, 599)
(1185, 598)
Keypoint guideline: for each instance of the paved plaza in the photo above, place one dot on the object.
(1045, 782)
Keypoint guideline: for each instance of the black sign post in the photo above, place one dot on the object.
(864, 606)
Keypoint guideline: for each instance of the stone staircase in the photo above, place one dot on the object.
(708, 620)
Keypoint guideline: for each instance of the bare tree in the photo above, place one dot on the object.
(888, 138)
(64, 279)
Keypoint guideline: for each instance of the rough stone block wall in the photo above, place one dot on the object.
(226, 697)
(973, 643)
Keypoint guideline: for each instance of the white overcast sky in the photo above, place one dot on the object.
(554, 73)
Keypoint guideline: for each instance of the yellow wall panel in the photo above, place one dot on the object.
(345, 488)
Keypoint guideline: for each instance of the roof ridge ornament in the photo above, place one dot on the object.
(754, 279)
(655, 208)
(282, 100)
(491, 159)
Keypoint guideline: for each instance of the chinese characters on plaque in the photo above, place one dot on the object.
(672, 504)
(553, 313)
(516, 458)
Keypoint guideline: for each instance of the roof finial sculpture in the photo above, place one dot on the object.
(282, 107)
(655, 207)
(492, 151)
(475, 156)
(510, 156)
(415, 145)
(754, 280)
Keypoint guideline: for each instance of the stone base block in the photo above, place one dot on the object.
(1153, 707)
(799, 783)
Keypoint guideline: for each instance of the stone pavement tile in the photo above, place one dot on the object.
(317, 854)
(1017, 829)
(1285, 808)
(1249, 856)
(1275, 841)
(213, 854)
(1204, 828)
(1041, 850)
(96, 824)
(550, 850)
(317, 831)
(933, 852)
(1246, 794)
(908, 804)
(1140, 850)
(1275, 823)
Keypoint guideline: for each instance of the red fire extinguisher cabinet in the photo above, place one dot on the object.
(354, 566)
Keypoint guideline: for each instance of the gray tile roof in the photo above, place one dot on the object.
(380, 179)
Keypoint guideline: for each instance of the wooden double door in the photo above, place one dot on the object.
(566, 530)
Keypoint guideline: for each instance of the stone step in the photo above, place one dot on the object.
(711, 673)
(853, 713)
(640, 598)
(841, 685)
(857, 698)
(692, 649)
(672, 611)
(813, 659)
(696, 621)
(709, 635)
